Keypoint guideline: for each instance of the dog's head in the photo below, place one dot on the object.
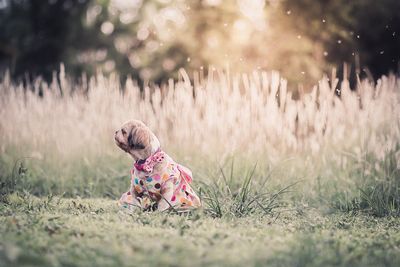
(135, 138)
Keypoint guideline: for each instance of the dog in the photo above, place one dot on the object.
(157, 181)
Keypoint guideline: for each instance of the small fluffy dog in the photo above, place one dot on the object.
(157, 182)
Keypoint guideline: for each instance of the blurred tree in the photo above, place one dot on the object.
(248, 35)
(345, 29)
(140, 37)
(34, 34)
(151, 40)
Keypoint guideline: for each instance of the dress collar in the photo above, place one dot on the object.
(147, 165)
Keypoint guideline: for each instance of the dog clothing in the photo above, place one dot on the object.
(150, 187)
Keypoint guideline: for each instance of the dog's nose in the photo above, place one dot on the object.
(116, 131)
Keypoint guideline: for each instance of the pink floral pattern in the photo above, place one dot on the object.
(171, 184)
(150, 162)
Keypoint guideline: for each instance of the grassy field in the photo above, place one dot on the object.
(311, 179)
(87, 232)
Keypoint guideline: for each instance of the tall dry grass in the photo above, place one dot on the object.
(325, 137)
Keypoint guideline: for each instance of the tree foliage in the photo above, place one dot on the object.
(151, 40)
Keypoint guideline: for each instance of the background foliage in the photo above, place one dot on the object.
(151, 40)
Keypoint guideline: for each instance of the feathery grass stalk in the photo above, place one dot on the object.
(68, 129)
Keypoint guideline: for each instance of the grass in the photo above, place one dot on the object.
(228, 195)
(381, 189)
(83, 232)
(312, 181)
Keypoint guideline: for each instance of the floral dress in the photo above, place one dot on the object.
(168, 188)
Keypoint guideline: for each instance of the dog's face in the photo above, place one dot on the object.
(135, 138)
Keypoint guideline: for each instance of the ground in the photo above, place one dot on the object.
(57, 231)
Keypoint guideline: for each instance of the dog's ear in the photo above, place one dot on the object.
(138, 138)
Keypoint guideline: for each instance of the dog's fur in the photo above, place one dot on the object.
(138, 140)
